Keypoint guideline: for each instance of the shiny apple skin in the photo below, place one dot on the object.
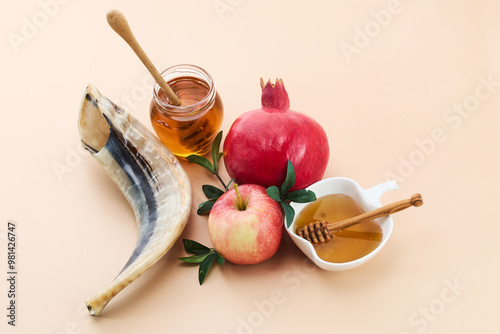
(250, 236)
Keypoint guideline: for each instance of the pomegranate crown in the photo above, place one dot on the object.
(274, 96)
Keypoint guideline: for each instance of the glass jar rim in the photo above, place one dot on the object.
(185, 70)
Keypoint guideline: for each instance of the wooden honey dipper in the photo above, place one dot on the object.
(119, 24)
(322, 231)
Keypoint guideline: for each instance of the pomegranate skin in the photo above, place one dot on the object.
(260, 142)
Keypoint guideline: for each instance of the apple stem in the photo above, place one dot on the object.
(240, 205)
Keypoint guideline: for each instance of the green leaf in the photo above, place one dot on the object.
(205, 266)
(220, 259)
(194, 247)
(206, 206)
(274, 193)
(215, 151)
(289, 213)
(289, 180)
(203, 255)
(212, 192)
(194, 258)
(203, 162)
(301, 196)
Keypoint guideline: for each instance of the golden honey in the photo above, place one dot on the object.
(349, 244)
(191, 127)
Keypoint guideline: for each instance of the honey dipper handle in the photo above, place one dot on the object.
(415, 200)
(119, 24)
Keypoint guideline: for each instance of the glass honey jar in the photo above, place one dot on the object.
(191, 127)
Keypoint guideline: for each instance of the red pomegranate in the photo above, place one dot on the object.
(260, 142)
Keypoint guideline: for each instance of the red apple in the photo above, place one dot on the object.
(246, 225)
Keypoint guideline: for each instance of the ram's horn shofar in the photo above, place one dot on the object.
(149, 176)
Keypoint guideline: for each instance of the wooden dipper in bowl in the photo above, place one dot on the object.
(322, 231)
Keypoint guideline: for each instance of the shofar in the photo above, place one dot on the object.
(149, 176)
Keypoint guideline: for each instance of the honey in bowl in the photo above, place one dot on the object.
(349, 244)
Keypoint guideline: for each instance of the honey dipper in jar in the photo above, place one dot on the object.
(322, 231)
(186, 111)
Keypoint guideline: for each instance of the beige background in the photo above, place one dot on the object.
(377, 100)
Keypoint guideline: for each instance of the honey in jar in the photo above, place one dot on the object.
(349, 244)
(191, 127)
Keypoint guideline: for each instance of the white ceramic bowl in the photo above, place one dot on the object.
(368, 199)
